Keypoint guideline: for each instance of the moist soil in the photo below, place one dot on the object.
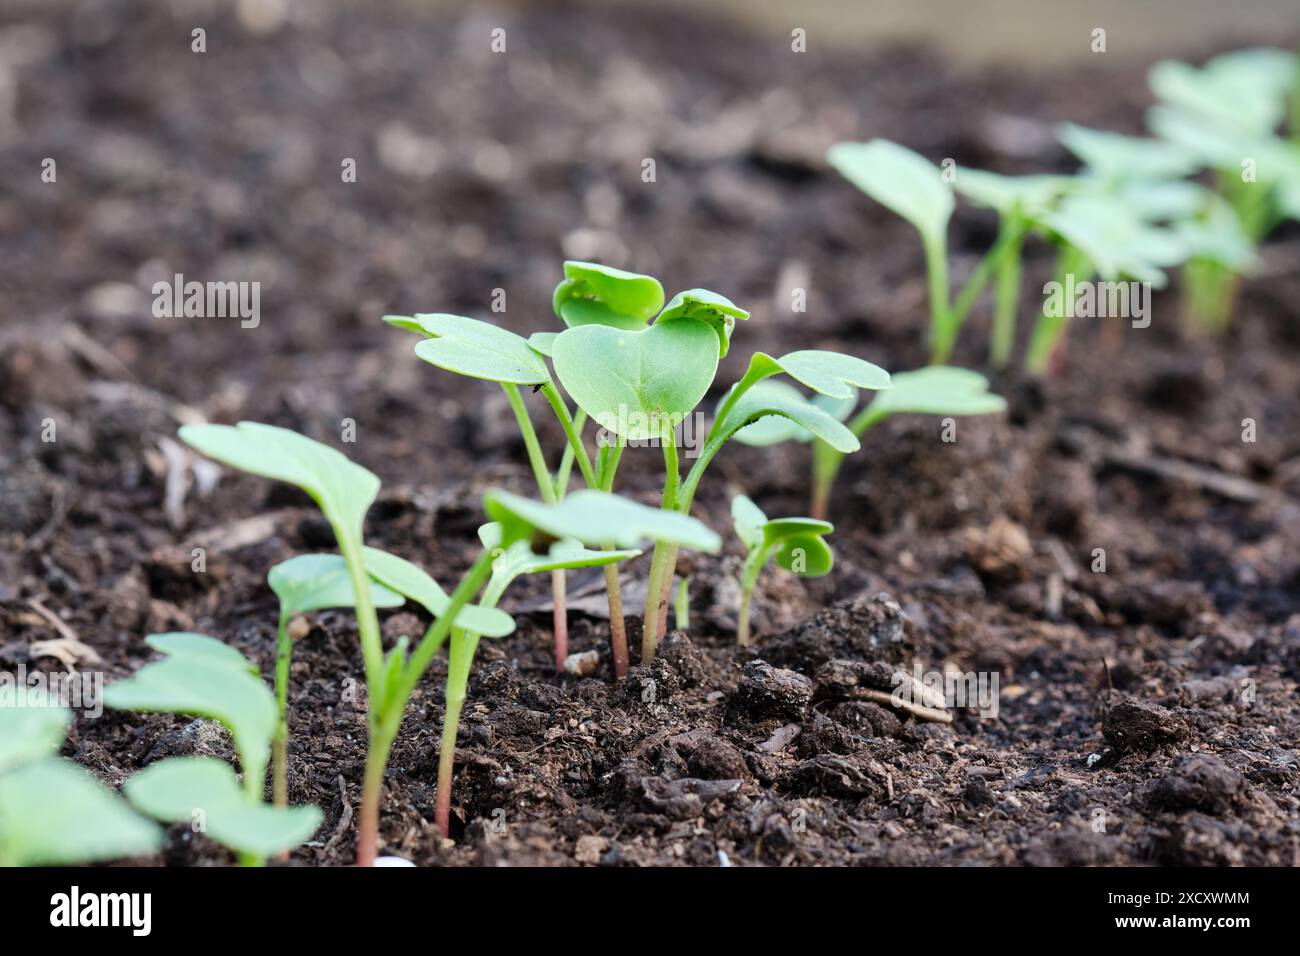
(1148, 711)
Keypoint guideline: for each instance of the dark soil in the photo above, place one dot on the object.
(1148, 713)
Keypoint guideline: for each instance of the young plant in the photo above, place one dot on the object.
(510, 547)
(936, 390)
(798, 544)
(202, 677)
(306, 583)
(1021, 203)
(913, 188)
(52, 812)
(344, 492)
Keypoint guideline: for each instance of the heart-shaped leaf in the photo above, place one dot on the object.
(716, 311)
(899, 179)
(1025, 196)
(1114, 156)
(596, 519)
(831, 373)
(53, 813)
(190, 789)
(412, 581)
(201, 685)
(805, 554)
(32, 725)
(781, 399)
(592, 294)
(473, 348)
(208, 649)
(639, 385)
(797, 542)
(343, 489)
(311, 582)
(1116, 241)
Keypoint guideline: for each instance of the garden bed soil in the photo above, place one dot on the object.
(1148, 714)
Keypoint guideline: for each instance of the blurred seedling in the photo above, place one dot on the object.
(200, 676)
(798, 544)
(344, 492)
(939, 390)
(52, 812)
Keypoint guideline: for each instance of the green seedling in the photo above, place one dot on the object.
(202, 677)
(640, 384)
(52, 812)
(1021, 203)
(565, 530)
(344, 492)
(481, 350)
(1098, 236)
(1225, 116)
(797, 543)
(306, 583)
(915, 189)
(936, 390)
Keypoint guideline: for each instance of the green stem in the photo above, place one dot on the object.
(571, 433)
(607, 461)
(536, 459)
(682, 607)
(280, 742)
(1006, 296)
(463, 646)
(660, 557)
(567, 459)
(754, 562)
(1046, 337)
(943, 331)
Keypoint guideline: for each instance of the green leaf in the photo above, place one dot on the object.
(1114, 156)
(1116, 241)
(201, 686)
(53, 813)
(899, 179)
(831, 373)
(1217, 236)
(208, 649)
(748, 519)
(938, 390)
(592, 294)
(343, 490)
(203, 790)
(1227, 93)
(597, 519)
(1027, 197)
(32, 725)
(805, 554)
(543, 342)
(639, 385)
(566, 553)
(716, 311)
(1164, 200)
(779, 398)
(311, 582)
(408, 579)
(473, 348)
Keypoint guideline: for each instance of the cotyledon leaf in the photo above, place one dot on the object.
(716, 311)
(901, 180)
(32, 725)
(312, 582)
(406, 578)
(780, 398)
(595, 294)
(597, 519)
(563, 554)
(475, 348)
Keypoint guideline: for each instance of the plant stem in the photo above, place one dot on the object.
(1006, 296)
(682, 609)
(943, 332)
(659, 560)
(280, 742)
(1047, 334)
(558, 598)
(742, 622)
(571, 433)
(607, 467)
(463, 646)
(372, 786)
(568, 457)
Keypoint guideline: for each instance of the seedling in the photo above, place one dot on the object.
(1021, 203)
(913, 188)
(202, 677)
(641, 383)
(797, 543)
(52, 812)
(305, 583)
(936, 390)
(566, 529)
(344, 492)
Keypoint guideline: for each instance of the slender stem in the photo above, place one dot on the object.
(280, 742)
(372, 786)
(682, 608)
(617, 627)
(558, 597)
(463, 645)
(1006, 296)
(742, 623)
(567, 458)
(942, 331)
(754, 562)
(571, 433)
(1071, 269)
(535, 457)
(659, 561)
(665, 592)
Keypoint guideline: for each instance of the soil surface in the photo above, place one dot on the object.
(1148, 713)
